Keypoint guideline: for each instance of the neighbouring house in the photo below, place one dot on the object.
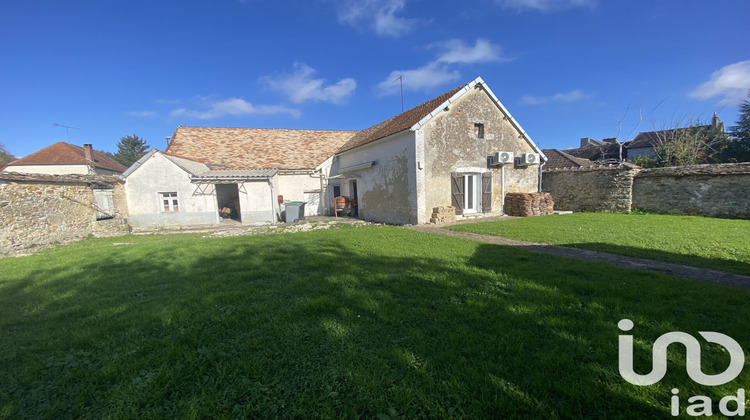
(607, 151)
(558, 159)
(66, 159)
(461, 149)
(643, 144)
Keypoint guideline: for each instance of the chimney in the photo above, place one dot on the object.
(585, 141)
(88, 152)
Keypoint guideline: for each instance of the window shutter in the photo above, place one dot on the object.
(486, 192)
(457, 192)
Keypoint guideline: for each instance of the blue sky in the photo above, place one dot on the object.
(565, 69)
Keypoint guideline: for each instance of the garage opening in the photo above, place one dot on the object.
(228, 198)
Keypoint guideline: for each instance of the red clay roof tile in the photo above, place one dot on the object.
(62, 153)
(257, 148)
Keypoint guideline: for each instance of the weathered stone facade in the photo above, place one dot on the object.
(708, 190)
(597, 189)
(38, 211)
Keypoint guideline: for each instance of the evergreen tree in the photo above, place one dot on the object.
(5, 156)
(130, 149)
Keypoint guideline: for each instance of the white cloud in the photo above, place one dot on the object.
(572, 96)
(546, 5)
(142, 114)
(380, 15)
(233, 107)
(455, 51)
(730, 82)
(424, 78)
(300, 86)
(440, 72)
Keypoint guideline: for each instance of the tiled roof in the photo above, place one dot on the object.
(399, 123)
(595, 152)
(257, 148)
(558, 159)
(62, 153)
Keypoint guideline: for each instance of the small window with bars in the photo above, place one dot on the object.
(169, 203)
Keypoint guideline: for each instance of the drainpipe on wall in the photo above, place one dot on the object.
(502, 188)
(540, 175)
(273, 200)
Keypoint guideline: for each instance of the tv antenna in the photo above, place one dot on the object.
(67, 128)
(401, 79)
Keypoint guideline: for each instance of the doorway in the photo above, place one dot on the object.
(228, 199)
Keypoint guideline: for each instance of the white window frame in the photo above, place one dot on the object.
(172, 202)
(471, 200)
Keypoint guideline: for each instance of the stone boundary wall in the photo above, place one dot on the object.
(720, 190)
(39, 211)
(708, 190)
(591, 189)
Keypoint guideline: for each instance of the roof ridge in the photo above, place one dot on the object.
(264, 128)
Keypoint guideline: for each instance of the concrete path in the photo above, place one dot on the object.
(702, 274)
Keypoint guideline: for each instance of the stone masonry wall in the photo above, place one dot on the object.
(598, 189)
(39, 211)
(707, 190)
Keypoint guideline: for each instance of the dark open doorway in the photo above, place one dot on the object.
(228, 198)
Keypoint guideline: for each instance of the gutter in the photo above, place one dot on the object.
(540, 174)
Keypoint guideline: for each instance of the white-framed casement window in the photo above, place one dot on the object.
(169, 203)
(470, 192)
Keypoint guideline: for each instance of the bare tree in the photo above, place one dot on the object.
(621, 144)
(687, 141)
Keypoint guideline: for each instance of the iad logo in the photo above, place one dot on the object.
(693, 356)
(702, 404)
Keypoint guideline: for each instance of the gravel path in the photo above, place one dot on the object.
(702, 274)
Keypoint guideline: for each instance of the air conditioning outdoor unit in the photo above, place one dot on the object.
(529, 158)
(502, 158)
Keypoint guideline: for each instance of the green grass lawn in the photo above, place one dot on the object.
(720, 244)
(372, 322)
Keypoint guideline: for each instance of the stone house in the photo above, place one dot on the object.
(66, 159)
(461, 149)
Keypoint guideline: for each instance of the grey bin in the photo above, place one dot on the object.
(295, 211)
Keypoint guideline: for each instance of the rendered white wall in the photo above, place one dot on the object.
(387, 191)
(157, 175)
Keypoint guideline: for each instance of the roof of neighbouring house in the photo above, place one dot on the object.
(62, 153)
(558, 159)
(415, 117)
(257, 148)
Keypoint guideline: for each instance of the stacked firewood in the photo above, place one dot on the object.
(528, 204)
